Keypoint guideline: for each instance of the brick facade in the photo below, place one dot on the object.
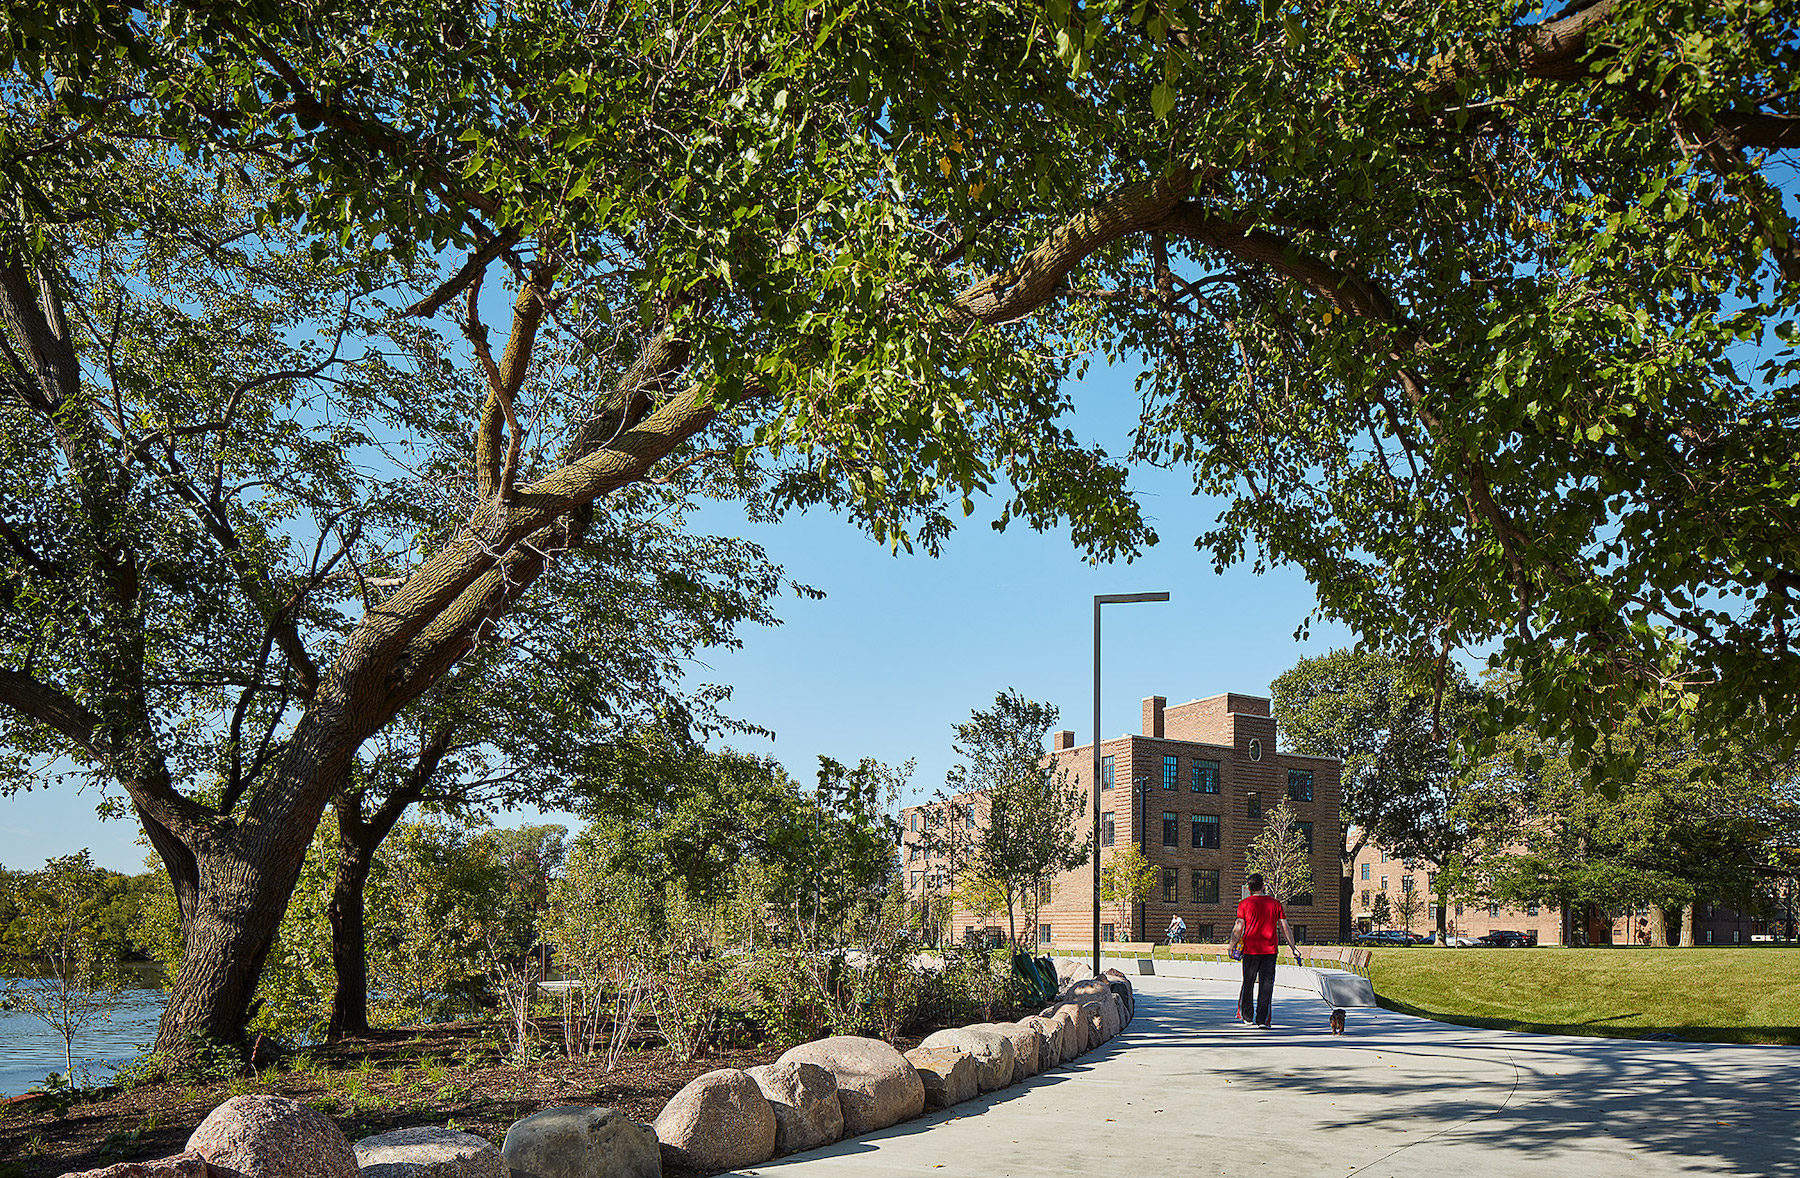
(1226, 741)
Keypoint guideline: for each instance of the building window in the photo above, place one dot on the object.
(1256, 750)
(1169, 878)
(1305, 829)
(1384, 856)
(1299, 933)
(1384, 880)
(1203, 933)
(1106, 829)
(915, 820)
(916, 876)
(1303, 900)
(969, 816)
(1431, 881)
(1043, 934)
(1206, 830)
(1171, 836)
(1493, 910)
(1253, 807)
(1106, 932)
(1365, 897)
(1431, 912)
(1106, 772)
(1406, 882)
(1300, 785)
(1365, 871)
(1206, 886)
(1171, 772)
(1531, 910)
(1043, 891)
(1459, 910)
(1206, 777)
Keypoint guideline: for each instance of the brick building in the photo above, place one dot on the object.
(1376, 871)
(1191, 790)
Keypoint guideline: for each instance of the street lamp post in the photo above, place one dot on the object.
(1101, 599)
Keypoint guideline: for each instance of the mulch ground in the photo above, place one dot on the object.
(451, 1074)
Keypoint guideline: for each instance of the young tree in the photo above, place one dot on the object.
(1381, 912)
(1025, 807)
(1280, 853)
(65, 971)
(1126, 878)
(1407, 909)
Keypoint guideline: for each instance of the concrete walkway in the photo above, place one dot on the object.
(1185, 1091)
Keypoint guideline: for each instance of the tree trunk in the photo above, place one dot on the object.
(349, 947)
(1443, 920)
(235, 900)
(1659, 925)
(1687, 925)
(1346, 894)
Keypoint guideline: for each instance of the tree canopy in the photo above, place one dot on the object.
(1461, 306)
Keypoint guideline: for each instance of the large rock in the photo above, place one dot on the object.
(1069, 970)
(1051, 1050)
(429, 1151)
(876, 1086)
(1085, 991)
(1075, 1031)
(804, 1098)
(993, 1052)
(264, 1136)
(182, 1165)
(950, 1076)
(720, 1121)
(1028, 1049)
(1112, 1015)
(574, 1141)
(1127, 1004)
(1095, 1022)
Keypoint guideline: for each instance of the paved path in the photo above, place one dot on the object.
(1185, 1092)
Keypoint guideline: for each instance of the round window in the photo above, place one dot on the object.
(1256, 750)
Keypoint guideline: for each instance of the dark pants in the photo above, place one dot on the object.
(1259, 985)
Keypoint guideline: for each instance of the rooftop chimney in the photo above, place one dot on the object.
(1062, 740)
(1153, 715)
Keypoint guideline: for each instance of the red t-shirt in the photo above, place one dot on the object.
(1260, 913)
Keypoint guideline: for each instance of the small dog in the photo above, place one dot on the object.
(1337, 1022)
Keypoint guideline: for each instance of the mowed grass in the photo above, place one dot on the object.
(1713, 994)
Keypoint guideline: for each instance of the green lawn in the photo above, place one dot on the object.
(1715, 994)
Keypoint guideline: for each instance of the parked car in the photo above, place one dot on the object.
(1508, 939)
(1456, 942)
(1388, 936)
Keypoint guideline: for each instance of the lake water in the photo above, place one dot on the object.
(30, 1050)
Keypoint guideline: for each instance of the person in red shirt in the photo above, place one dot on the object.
(1259, 918)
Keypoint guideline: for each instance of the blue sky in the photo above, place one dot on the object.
(902, 647)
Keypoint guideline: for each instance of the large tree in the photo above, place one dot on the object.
(1394, 725)
(1449, 300)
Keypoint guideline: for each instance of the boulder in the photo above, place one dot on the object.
(1127, 1004)
(993, 1052)
(1112, 1015)
(876, 1086)
(574, 1141)
(804, 1099)
(950, 1076)
(182, 1165)
(1095, 1022)
(720, 1121)
(1028, 1049)
(263, 1135)
(1051, 1050)
(429, 1151)
(1085, 991)
(1075, 1031)
(1069, 970)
